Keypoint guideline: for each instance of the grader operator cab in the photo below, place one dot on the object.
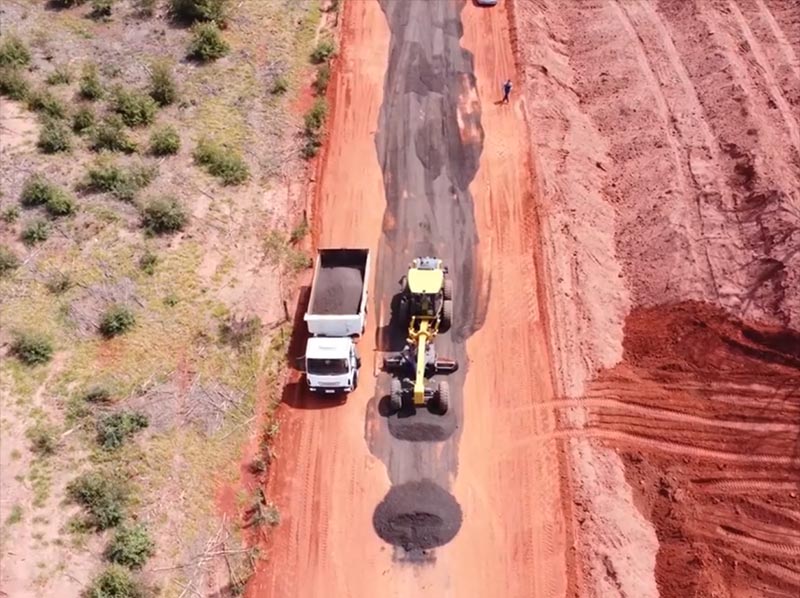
(426, 308)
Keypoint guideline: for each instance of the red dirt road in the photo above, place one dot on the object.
(326, 483)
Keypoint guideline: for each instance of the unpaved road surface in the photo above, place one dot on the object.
(422, 160)
(666, 143)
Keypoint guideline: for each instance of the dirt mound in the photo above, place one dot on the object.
(705, 412)
(417, 516)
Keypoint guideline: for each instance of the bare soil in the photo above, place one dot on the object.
(665, 138)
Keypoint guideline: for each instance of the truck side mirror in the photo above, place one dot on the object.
(300, 363)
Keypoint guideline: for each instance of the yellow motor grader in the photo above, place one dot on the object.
(426, 307)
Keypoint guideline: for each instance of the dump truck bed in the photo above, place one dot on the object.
(338, 292)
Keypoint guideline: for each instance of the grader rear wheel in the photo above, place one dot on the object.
(396, 396)
(443, 397)
(447, 291)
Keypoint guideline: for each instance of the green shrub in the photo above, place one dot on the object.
(60, 76)
(207, 43)
(14, 52)
(54, 137)
(165, 141)
(46, 103)
(199, 10)
(240, 332)
(162, 84)
(101, 9)
(32, 348)
(117, 320)
(10, 215)
(102, 496)
(280, 85)
(8, 261)
(89, 84)
(44, 439)
(110, 135)
(147, 263)
(115, 582)
(163, 215)
(59, 282)
(83, 120)
(105, 176)
(60, 204)
(13, 84)
(36, 191)
(221, 162)
(136, 109)
(35, 232)
(113, 430)
(315, 117)
(322, 80)
(130, 547)
(323, 51)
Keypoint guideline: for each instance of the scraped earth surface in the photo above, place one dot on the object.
(665, 135)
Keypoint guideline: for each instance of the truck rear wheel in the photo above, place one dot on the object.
(447, 315)
(396, 396)
(443, 399)
(447, 291)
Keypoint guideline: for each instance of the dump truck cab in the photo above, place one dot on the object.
(332, 364)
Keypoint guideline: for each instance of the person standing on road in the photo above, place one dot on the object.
(506, 91)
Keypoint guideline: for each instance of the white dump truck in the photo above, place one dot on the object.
(336, 316)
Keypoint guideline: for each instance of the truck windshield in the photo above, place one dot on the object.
(326, 367)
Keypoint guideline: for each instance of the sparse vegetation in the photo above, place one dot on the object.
(221, 162)
(280, 85)
(15, 516)
(163, 215)
(165, 141)
(83, 120)
(162, 84)
(199, 10)
(47, 104)
(207, 43)
(10, 214)
(314, 121)
(136, 109)
(322, 79)
(114, 429)
(32, 348)
(130, 547)
(90, 87)
(323, 51)
(101, 9)
(117, 320)
(59, 282)
(145, 8)
(44, 439)
(36, 231)
(110, 135)
(14, 52)
(8, 261)
(61, 75)
(61, 204)
(115, 582)
(240, 332)
(54, 137)
(147, 263)
(103, 497)
(299, 232)
(97, 394)
(13, 84)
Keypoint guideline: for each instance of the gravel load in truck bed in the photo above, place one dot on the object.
(337, 291)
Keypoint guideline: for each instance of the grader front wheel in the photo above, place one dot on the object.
(443, 397)
(396, 396)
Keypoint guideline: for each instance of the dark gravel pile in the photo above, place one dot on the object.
(417, 515)
(338, 291)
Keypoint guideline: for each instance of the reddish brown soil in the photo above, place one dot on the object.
(666, 143)
(706, 413)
